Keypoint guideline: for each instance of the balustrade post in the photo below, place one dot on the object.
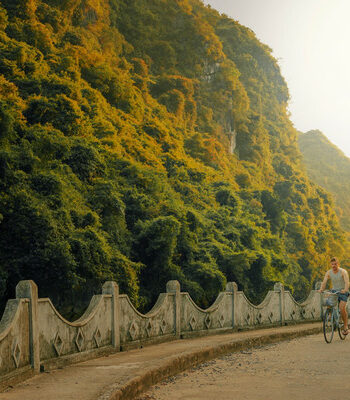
(278, 287)
(232, 288)
(29, 290)
(318, 287)
(112, 289)
(174, 287)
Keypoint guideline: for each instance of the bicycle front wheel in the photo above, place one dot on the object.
(328, 325)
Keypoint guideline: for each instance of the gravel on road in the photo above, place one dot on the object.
(299, 369)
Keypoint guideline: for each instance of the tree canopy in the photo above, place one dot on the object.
(149, 140)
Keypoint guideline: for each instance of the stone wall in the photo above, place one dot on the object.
(34, 336)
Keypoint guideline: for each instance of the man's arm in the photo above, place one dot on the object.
(324, 282)
(346, 280)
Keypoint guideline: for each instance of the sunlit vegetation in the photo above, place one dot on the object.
(117, 119)
(330, 168)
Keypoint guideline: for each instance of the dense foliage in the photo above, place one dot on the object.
(330, 168)
(118, 120)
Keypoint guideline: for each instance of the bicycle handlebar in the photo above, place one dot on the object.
(330, 292)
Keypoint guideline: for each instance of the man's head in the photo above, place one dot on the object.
(334, 263)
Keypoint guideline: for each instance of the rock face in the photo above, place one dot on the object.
(232, 136)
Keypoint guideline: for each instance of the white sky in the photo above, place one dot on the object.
(311, 40)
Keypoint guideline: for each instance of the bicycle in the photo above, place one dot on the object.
(332, 319)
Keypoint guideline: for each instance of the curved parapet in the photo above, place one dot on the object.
(60, 337)
(266, 313)
(307, 310)
(218, 316)
(33, 333)
(158, 322)
(14, 336)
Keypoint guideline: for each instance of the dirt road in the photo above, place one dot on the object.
(300, 369)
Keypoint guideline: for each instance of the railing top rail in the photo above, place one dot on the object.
(88, 314)
(154, 310)
(10, 315)
(303, 303)
(210, 309)
(262, 304)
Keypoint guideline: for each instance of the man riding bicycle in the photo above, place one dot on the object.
(340, 282)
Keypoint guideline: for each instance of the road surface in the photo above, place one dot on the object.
(299, 369)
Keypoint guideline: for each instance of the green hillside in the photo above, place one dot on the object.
(330, 168)
(149, 140)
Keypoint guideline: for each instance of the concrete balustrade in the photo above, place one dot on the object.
(34, 336)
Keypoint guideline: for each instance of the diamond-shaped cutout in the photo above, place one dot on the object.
(133, 330)
(313, 313)
(58, 344)
(163, 326)
(302, 313)
(292, 314)
(207, 321)
(79, 340)
(270, 316)
(16, 354)
(247, 319)
(97, 337)
(148, 328)
(222, 320)
(259, 318)
(193, 322)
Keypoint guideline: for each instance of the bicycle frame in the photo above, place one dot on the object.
(336, 315)
(332, 320)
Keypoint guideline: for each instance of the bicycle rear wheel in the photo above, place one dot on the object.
(328, 325)
(340, 328)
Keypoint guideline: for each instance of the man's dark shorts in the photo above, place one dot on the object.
(342, 296)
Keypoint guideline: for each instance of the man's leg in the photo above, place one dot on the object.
(344, 314)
